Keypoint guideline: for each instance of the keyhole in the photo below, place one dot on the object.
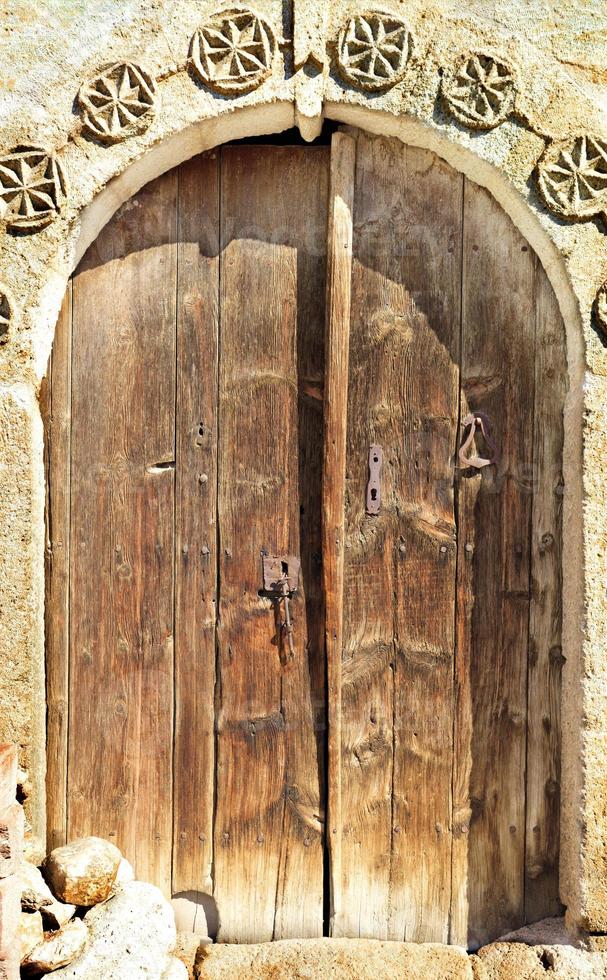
(285, 567)
(375, 459)
(373, 493)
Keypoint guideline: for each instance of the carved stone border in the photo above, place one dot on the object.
(234, 52)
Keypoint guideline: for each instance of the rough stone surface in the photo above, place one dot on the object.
(186, 948)
(125, 873)
(546, 932)
(11, 839)
(504, 961)
(30, 932)
(33, 850)
(8, 775)
(22, 702)
(9, 965)
(130, 937)
(84, 871)
(174, 970)
(35, 894)
(340, 959)
(557, 50)
(10, 912)
(57, 949)
(595, 944)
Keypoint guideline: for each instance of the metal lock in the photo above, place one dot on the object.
(280, 582)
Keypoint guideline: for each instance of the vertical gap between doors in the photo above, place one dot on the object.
(176, 482)
(68, 625)
(217, 690)
(460, 361)
(530, 574)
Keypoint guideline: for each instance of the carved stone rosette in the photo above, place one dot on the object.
(234, 51)
(6, 313)
(373, 50)
(572, 177)
(32, 188)
(117, 103)
(479, 91)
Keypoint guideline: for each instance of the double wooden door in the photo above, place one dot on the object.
(189, 408)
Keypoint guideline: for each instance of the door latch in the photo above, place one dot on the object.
(376, 458)
(478, 421)
(280, 582)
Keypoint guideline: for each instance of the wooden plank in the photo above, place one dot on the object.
(339, 274)
(268, 840)
(196, 524)
(545, 651)
(400, 585)
(494, 522)
(306, 803)
(58, 434)
(424, 395)
(122, 517)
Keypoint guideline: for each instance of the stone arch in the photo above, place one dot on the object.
(574, 257)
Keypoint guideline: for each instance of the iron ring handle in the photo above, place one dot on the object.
(478, 420)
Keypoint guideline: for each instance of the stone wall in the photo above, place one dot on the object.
(537, 139)
(11, 847)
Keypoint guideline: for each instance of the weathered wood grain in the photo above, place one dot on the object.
(425, 419)
(545, 629)
(268, 831)
(196, 523)
(337, 345)
(304, 822)
(57, 408)
(494, 523)
(122, 506)
(400, 585)
(184, 425)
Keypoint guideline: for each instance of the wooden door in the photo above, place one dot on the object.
(194, 389)
(185, 440)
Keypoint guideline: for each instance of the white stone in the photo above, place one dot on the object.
(33, 850)
(58, 914)
(175, 970)
(125, 873)
(29, 932)
(84, 871)
(35, 892)
(37, 896)
(130, 938)
(57, 949)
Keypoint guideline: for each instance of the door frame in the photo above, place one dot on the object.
(262, 121)
(121, 178)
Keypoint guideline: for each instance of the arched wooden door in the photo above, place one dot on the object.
(185, 444)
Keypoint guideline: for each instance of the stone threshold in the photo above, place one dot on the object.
(372, 959)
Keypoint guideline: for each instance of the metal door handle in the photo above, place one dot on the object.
(476, 421)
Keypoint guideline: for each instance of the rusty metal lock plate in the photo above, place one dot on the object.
(276, 567)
